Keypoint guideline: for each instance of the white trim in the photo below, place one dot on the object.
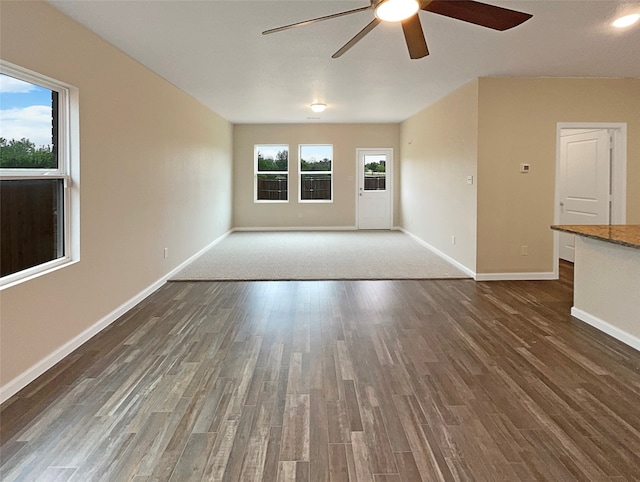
(439, 253)
(36, 271)
(533, 276)
(608, 328)
(272, 201)
(29, 375)
(295, 228)
(618, 176)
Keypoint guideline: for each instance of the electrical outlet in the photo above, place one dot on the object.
(524, 250)
(166, 252)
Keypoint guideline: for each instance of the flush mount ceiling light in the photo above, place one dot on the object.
(626, 21)
(396, 10)
(318, 107)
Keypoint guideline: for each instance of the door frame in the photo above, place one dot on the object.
(388, 181)
(618, 176)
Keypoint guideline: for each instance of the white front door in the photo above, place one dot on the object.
(584, 182)
(375, 186)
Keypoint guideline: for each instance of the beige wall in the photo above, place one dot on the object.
(345, 139)
(155, 173)
(517, 124)
(439, 151)
(489, 127)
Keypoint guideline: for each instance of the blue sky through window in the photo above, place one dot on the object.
(270, 151)
(308, 152)
(311, 153)
(25, 111)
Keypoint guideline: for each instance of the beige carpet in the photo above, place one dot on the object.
(317, 255)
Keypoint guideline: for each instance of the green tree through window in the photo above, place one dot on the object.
(24, 154)
(280, 163)
(375, 167)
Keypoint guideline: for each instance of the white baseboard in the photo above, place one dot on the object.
(439, 253)
(534, 276)
(29, 375)
(295, 228)
(608, 328)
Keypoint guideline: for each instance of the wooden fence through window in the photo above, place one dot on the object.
(375, 183)
(272, 189)
(316, 188)
(30, 226)
(312, 188)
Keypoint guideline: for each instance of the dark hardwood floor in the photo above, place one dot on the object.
(362, 380)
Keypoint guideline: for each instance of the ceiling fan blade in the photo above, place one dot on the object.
(478, 13)
(314, 20)
(357, 38)
(414, 36)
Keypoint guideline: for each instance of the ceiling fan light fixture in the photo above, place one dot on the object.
(626, 21)
(396, 10)
(318, 107)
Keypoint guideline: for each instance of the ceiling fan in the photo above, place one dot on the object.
(406, 12)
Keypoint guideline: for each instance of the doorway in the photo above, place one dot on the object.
(374, 190)
(590, 179)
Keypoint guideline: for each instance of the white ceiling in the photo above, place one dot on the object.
(214, 50)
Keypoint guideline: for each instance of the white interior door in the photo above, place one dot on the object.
(584, 183)
(375, 186)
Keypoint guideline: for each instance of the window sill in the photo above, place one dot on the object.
(23, 276)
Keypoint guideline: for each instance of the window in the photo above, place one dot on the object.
(38, 174)
(271, 173)
(316, 172)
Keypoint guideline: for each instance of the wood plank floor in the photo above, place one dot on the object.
(381, 381)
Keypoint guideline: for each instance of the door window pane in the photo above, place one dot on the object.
(375, 172)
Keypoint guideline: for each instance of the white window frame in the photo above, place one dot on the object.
(301, 173)
(68, 170)
(256, 172)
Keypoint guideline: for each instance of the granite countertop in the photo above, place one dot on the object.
(624, 234)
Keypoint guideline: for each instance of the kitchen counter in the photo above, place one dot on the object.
(624, 234)
(606, 285)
